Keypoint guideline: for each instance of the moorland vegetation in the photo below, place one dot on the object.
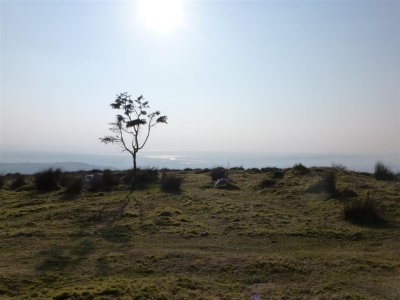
(294, 233)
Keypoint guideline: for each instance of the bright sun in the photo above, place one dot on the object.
(163, 16)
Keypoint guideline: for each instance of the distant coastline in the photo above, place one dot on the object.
(29, 162)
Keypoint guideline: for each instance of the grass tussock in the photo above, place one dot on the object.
(218, 173)
(278, 242)
(326, 185)
(171, 182)
(47, 180)
(300, 169)
(144, 177)
(382, 172)
(73, 185)
(17, 181)
(266, 183)
(364, 212)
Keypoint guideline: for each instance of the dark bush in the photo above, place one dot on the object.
(218, 173)
(266, 183)
(326, 184)
(108, 179)
(2, 181)
(144, 177)
(364, 212)
(383, 173)
(300, 169)
(237, 168)
(18, 180)
(171, 182)
(73, 185)
(47, 180)
(225, 184)
(254, 170)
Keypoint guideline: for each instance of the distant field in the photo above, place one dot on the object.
(273, 239)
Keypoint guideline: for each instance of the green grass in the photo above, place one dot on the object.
(202, 243)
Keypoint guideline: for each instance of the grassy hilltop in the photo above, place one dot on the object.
(283, 235)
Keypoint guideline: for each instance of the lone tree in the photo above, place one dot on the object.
(133, 122)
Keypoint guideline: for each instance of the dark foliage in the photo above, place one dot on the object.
(171, 183)
(225, 184)
(218, 173)
(237, 169)
(2, 181)
(269, 169)
(144, 177)
(300, 169)
(108, 179)
(47, 180)
(278, 174)
(364, 212)
(254, 170)
(326, 185)
(73, 185)
(383, 173)
(266, 183)
(18, 180)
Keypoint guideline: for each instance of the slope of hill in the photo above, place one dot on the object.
(274, 236)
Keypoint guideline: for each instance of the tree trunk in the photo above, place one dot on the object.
(134, 172)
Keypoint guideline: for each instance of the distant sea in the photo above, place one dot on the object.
(28, 162)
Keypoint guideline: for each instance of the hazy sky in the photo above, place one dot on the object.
(265, 76)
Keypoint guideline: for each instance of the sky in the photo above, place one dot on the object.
(260, 76)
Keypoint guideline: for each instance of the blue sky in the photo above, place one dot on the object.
(263, 76)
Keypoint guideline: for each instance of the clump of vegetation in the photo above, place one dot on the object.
(266, 183)
(73, 185)
(171, 183)
(218, 173)
(327, 185)
(339, 167)
(2, 181)
(18, 181)
(144, 177)
(108, 179)
(225, 184)
(364, 212)
(300, 169)
(47, 180)
(382, 172)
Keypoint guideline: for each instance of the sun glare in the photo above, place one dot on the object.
(163, 16)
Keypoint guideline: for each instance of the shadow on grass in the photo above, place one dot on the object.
(116, 233)
(55, 260)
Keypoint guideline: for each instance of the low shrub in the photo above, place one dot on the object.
(300, 169)
(144, 177)
(171, 182)
(225, 184)
(363, 212)
(17, 181)
(266, 183)
(218, 173)
(254, 170)
(339, 167)
(73, 185)
(47, 180)
(327, 184)
(108, 179)
(382, 172)
(2, 181)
